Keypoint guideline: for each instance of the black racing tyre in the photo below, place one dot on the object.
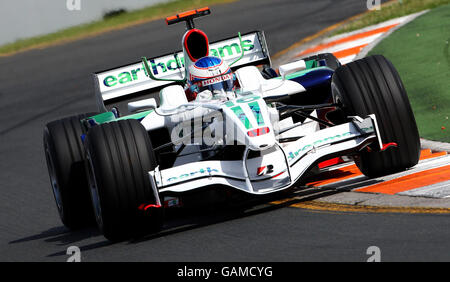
(120, 154)
(373, 86)
(331, 60)
(65, 156)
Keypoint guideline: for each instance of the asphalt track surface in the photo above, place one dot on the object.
(43, 85)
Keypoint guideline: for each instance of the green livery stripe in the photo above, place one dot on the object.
(109, 116)
(241, 115)
(301, 73)
(229, 104)
(137, 115)
(254, 106)
(103, 117)
(310, 64)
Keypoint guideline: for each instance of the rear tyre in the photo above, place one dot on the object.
(65, 156)
(373, 86)
(120, 155)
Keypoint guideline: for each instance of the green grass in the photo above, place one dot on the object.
(390, 10)
(420, 53)
(122, 20)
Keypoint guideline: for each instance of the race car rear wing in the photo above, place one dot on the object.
(131, 82)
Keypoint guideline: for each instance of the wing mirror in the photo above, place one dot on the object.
(142, 105)
(291, 68)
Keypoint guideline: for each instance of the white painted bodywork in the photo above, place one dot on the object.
(289, 162)
(245, 117)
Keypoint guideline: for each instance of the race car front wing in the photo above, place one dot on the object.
(276, 168)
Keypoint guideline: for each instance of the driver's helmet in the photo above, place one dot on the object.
(210, 73)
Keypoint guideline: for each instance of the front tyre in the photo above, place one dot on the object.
(373, 86)
(120, 155)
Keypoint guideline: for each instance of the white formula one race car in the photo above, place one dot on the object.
(217, 115)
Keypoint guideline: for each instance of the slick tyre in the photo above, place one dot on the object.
(120, 155)
(65, 156)
(373, 86)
